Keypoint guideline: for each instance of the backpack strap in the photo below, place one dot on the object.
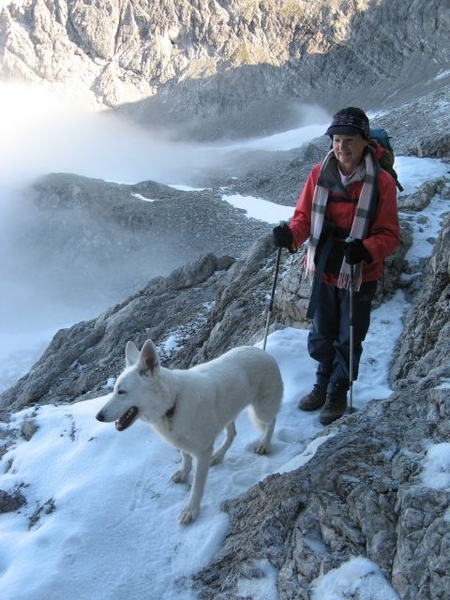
(375, 194)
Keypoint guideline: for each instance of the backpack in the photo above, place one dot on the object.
(387, 160)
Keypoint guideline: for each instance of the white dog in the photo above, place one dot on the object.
(188, 408)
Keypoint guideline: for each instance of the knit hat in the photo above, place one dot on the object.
(349, 121)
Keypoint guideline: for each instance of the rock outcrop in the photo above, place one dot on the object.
(218, 302)
(360, 495)
(242, 66)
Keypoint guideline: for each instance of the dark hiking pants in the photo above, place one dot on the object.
(329, 338)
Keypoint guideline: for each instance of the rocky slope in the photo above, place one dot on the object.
(240, 66)
(87, 237)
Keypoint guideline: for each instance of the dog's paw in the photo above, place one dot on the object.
(262, 448)
(180, 476)
(188, 515)
(216, 459)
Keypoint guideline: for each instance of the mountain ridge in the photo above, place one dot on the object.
(195, 68)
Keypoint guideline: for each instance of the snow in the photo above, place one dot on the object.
(357, 578)
(257, 208)
(436, 472)
(101, 519)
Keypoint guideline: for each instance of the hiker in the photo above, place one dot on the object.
(347, 211)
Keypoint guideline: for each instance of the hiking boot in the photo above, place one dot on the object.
(335, 407)
(315, 399)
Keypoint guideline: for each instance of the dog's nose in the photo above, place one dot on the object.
(99, 416)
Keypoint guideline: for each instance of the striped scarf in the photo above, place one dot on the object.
(358, 229)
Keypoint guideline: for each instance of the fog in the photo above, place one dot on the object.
(42, 133)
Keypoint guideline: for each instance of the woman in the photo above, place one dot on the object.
(347, 211)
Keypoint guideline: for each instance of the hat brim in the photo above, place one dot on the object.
(344, 130)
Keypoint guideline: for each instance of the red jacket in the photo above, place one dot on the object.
(384, 232)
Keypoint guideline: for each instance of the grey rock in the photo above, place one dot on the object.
(10, 502)
(235, 68)
(93, 234)
(360, 495)
(425, 344)
(28, 428)
(102, 340)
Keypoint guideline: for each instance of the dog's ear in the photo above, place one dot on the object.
(131, 354)
(149, 359)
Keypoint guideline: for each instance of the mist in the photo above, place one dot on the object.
(46, 132)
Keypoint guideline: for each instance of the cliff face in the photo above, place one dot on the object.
(176, 59)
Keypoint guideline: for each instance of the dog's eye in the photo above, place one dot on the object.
(120, 392)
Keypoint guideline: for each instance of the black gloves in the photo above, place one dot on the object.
(354, 249)
(282, 237)
(355, 252)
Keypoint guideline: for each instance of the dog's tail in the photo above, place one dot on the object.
(263, 412)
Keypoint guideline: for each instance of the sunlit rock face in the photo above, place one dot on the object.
(243, 66)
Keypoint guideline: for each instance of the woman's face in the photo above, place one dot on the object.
(349, 151)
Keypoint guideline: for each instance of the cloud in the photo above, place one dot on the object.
(45, 132)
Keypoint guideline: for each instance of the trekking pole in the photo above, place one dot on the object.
(351, 349)
(272, 296)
